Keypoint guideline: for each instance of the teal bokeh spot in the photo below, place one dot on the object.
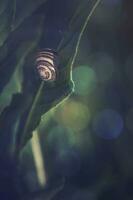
(85, 80)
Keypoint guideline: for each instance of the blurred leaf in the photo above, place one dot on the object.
(35, 98)
(22, 116)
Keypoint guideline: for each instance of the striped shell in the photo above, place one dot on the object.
(45, 65)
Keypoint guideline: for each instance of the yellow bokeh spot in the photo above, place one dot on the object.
(73, 114)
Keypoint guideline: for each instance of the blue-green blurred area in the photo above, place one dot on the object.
(83, 148)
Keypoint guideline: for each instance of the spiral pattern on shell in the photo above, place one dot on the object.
(45, 64)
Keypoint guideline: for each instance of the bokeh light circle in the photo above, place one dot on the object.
(103, 65)
(59, 138)
(108, 124)
(73, 115)
(84, 79)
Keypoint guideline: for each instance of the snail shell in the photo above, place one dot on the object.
(45, 64)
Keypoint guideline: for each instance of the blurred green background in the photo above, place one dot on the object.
(86, 142)
(87, 139)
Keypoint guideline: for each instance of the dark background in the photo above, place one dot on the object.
(86, 143)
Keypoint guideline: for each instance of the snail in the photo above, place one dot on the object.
(45, 65)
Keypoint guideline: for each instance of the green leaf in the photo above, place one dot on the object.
(35, 98)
